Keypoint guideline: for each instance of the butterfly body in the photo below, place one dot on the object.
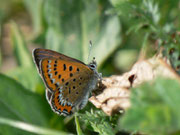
(68, 81)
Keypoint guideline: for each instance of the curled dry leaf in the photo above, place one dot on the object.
(113, 92)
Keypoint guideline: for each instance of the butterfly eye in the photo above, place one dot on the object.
(92, 66)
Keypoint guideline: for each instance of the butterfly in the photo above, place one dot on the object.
(68, 81)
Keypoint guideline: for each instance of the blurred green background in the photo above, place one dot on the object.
(121, 31)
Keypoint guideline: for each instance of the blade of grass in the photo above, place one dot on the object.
(144, 48)
(35, 9)
(0, 48)
(30, 128)
(78, 128)
(20, 48)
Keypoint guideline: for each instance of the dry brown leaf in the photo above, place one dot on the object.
(113, 93)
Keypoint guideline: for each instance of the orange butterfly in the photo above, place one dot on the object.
(68, 81)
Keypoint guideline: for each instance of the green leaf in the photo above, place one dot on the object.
(0, 58)
(156, 18)
(0, 48)
(98, 121)
(28, 128)
(35, 10)
(124, 59)
(154, 108)
(78, 128)
(26, 73)
(72, 24)
(19, 104)
(26, 76)
(23, 56)
(108, 41)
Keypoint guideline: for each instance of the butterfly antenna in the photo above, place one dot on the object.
(90, 48)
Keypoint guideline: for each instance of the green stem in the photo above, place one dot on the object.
(78, 128)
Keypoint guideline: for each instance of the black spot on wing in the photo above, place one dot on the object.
(69, 90)
(56, 73)
(64, 67)
(70, 68)
(66, 83)
(71, 74)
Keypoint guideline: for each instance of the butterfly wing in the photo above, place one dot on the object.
(74, 92)
(40, 54)
(67, 80)
(52, 67)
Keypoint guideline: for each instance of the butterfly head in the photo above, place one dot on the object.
(93, 66)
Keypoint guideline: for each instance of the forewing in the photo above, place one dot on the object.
(52, 67)
(56, 72)
(40, 54)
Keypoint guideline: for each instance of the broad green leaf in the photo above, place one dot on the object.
(72, 24)
(26, 76)
(23, 56)
(26, 73)
(19, 104)
(108, 41)
(154, 108)
(35, 9)
(53, 39)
